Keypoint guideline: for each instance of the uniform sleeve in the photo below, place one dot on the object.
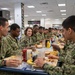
(7, 50)
(35, 39)
(52, 70)
(23, 43)
(45, 36)
(62, 55)
(1, 63)
(68, 67)
(38, 37)
(27, 42)
(3, 50)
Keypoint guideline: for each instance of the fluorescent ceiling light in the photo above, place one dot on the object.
(38, 11)
(63, 14)
(31, 6)
(61, 4)
(4, 9)
(43, 14)
(26, 15)
(62, 10)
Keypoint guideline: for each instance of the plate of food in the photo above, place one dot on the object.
(51, 52)
(39, 46)
(52, 62)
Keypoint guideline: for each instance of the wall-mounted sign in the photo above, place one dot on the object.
(33, 22)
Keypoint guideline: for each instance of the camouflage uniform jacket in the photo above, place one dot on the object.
(4, 50)
(8, 47)
(63, 52)
(68, 67)
(48, 35)
(38, 37)
(14, 44)
(27, 41)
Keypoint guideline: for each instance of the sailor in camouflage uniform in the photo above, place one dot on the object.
(37, 35)
(28, 40)
(41, 31)
(5, 49)
(68, 66)
(12, 39)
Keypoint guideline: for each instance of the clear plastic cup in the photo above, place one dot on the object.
(41, 54)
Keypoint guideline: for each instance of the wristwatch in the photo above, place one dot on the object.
(4, 62)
